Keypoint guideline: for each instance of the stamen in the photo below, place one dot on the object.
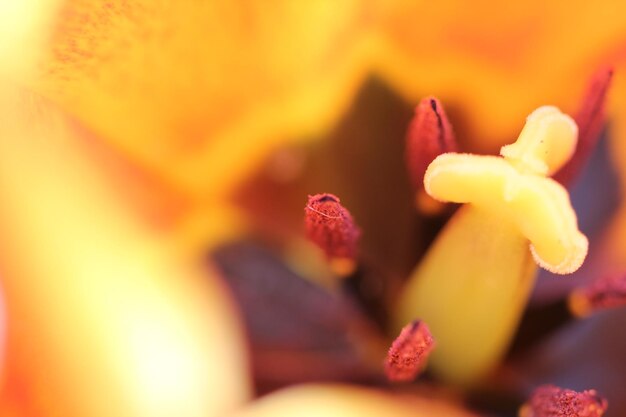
(552, 401)
(590, 119)
(605, 293)
(430, 134)
(409, 353)
(331, 227)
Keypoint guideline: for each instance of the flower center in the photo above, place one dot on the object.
(474, 282)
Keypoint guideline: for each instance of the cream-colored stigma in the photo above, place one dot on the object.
(516, 187)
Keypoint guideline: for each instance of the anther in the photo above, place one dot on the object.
(409, 353)
(430, 134)
(552, 401)
(601, 294)
(331, 227)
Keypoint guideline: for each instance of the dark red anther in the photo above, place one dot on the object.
(601, 294)
(590, 119)
(409, 353)
(330, 225)
(430, 134)
(552, 401)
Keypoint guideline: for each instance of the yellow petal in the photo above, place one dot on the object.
(345, 401)
(106, 317)
(24, 27)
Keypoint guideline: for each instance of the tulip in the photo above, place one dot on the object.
(130, 128)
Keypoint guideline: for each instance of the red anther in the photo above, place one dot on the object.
(331, 227)
(590, 119)
(601, 294)
(430, 134)
(552, 401)
(409, 353)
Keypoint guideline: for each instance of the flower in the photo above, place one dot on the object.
(155, 112)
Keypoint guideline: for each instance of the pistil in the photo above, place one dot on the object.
(474, 282)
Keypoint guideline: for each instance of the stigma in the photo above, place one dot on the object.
(515, 186)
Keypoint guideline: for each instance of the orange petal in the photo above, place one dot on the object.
(211, 89)
(200, 91)
(449, 50)
(105, 318)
